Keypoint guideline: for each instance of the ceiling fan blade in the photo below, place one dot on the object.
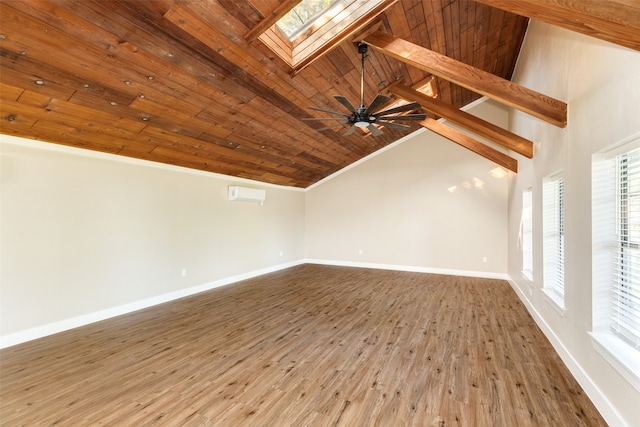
(374, 130)
(349, 131)
(420, 116)
(326, 118)
(328, 111)
(401, 108)
(396, 126)
(344, 101)
(377, 102)
(331, 126)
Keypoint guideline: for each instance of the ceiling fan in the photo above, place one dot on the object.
(367, 117)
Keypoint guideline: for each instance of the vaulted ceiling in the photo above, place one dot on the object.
(191, 83)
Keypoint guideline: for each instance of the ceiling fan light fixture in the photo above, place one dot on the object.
(369, 118)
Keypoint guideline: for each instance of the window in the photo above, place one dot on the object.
(527, 234)
(305, 34)
(553, 238)
(616, 258)
(626, 283)
(302, 16)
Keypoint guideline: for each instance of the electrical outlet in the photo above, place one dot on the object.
(484, 259)
(184, 272)
(360, 251)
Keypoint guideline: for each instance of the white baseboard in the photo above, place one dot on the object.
(415, 269)
(607, 410)
(75, 322)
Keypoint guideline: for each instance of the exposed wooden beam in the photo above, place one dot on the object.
(468, 121)
(270, 20)
(471, 144)
(479, 81)
(616, 21)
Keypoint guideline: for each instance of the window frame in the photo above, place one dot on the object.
(526, 233)
(317, 40)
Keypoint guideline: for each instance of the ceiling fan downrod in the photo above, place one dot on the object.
(362, 49)
(361, 119)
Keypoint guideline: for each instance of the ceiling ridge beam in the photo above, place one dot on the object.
(469, 143)
(468, 121)
(616, 21)
(519, 97)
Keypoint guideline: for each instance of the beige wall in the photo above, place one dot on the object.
(425, 204)
(601, 84)
(83, 233)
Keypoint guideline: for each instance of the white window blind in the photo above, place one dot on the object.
(527, 234)
(626, 281)
(615, 233)
(553, 234)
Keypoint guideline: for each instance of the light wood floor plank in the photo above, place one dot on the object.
(312, 345)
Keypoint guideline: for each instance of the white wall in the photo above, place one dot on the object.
(85, 236)
(85, 233)
(424, 204)
(601, 84)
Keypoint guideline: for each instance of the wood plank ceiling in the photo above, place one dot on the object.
(178, 82)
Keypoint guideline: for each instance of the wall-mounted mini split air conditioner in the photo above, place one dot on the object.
(246, 194)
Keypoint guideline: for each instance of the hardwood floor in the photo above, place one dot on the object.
(309, 346)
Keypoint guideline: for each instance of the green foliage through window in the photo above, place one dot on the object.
(303, 15)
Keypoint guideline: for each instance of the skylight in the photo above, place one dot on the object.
(302, 16)
(313, 27)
